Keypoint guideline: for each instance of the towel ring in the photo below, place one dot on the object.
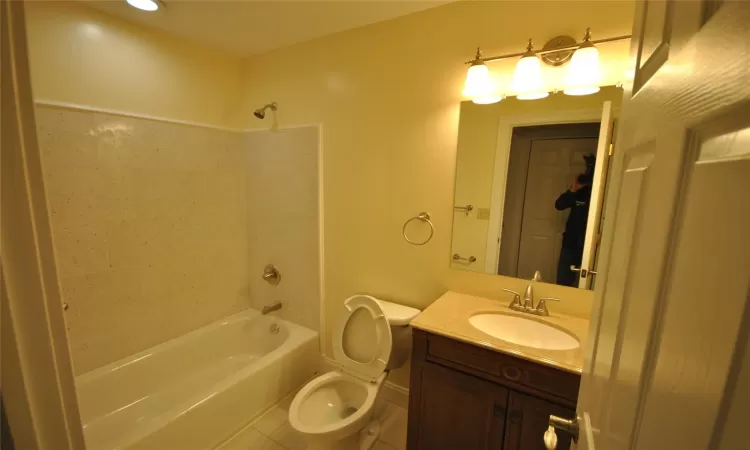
(424, 217)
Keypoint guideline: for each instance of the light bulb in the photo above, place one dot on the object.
(145, 5)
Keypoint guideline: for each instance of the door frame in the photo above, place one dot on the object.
(502, 154)
(37, 375)
(521, 140)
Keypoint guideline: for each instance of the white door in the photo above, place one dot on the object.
(591, 242)
(671, 319)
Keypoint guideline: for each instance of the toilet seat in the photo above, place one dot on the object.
(372, 370)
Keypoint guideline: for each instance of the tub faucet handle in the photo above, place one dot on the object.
(272, 274)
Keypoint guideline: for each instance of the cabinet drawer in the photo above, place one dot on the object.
(507, 369)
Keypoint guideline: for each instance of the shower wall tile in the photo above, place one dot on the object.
(161, 228)
(150, 226)
(284, 221)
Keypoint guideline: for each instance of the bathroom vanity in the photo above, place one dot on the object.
(473, 391)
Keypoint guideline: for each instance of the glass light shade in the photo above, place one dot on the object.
(527, 79)
(479, 86)
(145, 5)
(583, 74)
(486, 100)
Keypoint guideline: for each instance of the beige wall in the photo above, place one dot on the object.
(388, 97)
(475, 159)
(477, 151)
(80, 55)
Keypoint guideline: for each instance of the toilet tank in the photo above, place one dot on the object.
(399, 317)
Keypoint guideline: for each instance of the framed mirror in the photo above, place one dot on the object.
(531, 178)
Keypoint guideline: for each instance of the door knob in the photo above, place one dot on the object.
(550, 438)
(569, 426)
(584, 272)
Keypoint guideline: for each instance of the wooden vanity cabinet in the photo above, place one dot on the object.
(463, 397)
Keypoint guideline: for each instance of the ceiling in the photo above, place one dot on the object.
(246, 27)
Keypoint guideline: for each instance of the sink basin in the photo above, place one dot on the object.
(522, 331)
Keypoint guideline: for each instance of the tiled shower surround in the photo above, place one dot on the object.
(160, 228)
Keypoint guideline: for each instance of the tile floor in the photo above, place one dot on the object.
(272, 431)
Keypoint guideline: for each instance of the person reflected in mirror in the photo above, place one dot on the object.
(577, 198)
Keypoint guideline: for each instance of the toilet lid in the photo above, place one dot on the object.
(350, 341)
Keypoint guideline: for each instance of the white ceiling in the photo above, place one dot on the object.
(247, 27)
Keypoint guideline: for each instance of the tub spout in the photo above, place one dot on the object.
(271, 308)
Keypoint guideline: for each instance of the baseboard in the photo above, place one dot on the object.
(396, 394)
(391, 392)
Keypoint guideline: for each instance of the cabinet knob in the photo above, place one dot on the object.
(515, 417)
(498, 411)
(512, 373)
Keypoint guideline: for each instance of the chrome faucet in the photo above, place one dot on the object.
(528, 299)
(271, 274)
(271, 308)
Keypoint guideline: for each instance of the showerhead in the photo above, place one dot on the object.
(260, 113)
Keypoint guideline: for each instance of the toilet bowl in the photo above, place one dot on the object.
(336, 407)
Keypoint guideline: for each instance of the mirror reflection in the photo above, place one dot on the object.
(530, 183)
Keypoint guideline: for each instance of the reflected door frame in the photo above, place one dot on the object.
(514, 233)
(502, 155)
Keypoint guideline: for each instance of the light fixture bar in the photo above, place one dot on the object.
(555, 50)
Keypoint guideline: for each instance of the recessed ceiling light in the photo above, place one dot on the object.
(145, 5)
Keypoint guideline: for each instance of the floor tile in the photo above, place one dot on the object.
(393, 430)
(380, 409)
(271, 421)
(287, 401)
(288, 438)
(250, 439)
(380, 445)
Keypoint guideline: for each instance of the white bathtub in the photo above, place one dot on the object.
(194, 391)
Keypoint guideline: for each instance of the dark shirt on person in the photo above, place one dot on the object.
(575, 227)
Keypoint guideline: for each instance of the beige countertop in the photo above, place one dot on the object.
(449, 316)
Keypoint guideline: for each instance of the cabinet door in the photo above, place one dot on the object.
(458, 411)
(528, 419)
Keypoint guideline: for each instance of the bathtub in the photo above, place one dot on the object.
(194, 391)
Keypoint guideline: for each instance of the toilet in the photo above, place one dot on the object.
(335, 409)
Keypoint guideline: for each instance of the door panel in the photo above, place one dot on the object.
(607, 351)
(656, 24)
(704, 298)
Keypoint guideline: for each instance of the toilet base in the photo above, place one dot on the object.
(364, 440)
(369, 435)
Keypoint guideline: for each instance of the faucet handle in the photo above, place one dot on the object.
(516, 303)
(541, 308)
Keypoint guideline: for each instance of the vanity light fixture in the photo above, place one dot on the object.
(583, 76)
(479, 86)
(527, 79)
(144, 5)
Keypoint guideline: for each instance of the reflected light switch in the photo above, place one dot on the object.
(483, 213)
